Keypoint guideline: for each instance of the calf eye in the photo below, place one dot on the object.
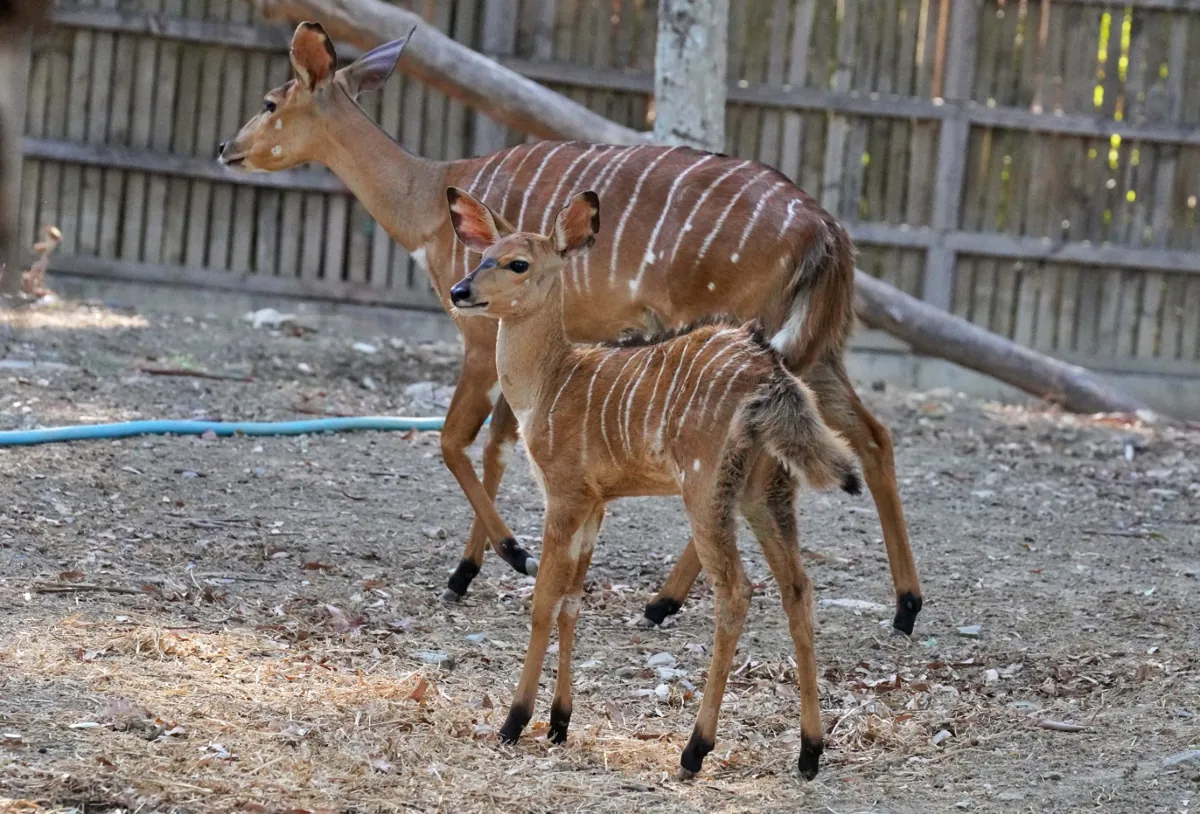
(270, 106)
(519, 266)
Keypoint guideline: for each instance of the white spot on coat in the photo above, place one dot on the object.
(279, 124)
(696, 465)
(712, 286)
(276, 150)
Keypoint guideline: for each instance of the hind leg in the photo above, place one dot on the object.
(716, 544)
(771, 512)
(844, 411)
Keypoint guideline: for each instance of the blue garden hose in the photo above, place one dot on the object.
(127, 429)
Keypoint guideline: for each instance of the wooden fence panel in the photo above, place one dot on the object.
(1032, 165)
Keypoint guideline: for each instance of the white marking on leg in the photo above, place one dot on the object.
(562, 180)
(637, 190)
(793, 327)
(687, 224)
(762, 203)
(277, 150)
(587, 407)
(648, 257)
(725, 214)
(494, 394)
(554, 403)
(419, 256)
(533, 183)
(604, 408)
(504, 453)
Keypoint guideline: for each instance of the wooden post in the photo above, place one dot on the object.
(16, 46)
(839, 125)
(959, 76)
(498, 39)
(690, 62)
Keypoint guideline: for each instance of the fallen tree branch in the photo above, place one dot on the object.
(194, 374)
(454, 69)
(933, 332)
(81, 587)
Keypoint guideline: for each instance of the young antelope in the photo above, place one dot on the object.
(709, 413)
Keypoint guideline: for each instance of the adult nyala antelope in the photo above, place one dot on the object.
(693, 234)
(710, 413)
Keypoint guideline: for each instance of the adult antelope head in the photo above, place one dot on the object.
(291, 127)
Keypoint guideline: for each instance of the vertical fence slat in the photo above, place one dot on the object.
(952, 143)
(839, 126)
(793, 123)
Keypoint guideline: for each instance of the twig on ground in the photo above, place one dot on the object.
(193, 374)
(1061, 726)
(1153, 535)
(81, 587)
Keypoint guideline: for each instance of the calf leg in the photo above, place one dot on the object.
(669, 598)
(560, 708)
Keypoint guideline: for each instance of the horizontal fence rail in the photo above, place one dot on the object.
(1031, 166)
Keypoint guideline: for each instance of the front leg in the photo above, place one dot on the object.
(468, 410)
(501, 440)
(584, 542)
(555, 577)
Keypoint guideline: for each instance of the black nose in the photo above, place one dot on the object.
(460, 291)
(220, 148)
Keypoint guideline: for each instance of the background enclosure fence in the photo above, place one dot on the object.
(1031, 165)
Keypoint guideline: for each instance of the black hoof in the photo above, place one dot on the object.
(461, 579)
(851, 483)
(907, 608)
(810, 757)
(658, 610)
(560, 719)
(518, 558)
(693, 755)
(514, 724)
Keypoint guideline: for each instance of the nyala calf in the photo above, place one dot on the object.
(710, 413)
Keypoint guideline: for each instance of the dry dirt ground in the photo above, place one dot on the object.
(276, 641)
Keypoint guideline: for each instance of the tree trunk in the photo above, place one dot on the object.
(933, 332)
(689, 73)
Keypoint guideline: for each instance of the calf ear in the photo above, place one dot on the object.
(577, 224)
(313, 57)
(370, 71)
(476, 226)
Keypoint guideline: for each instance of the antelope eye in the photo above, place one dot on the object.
(270, 106)
(519, 266)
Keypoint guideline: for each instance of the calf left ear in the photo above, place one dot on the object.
(370, 71)
(577, 224)
(476, 226)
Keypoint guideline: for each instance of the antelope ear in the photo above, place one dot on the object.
(476, 226)
(313, 57)
(372, 69)
(577, 224)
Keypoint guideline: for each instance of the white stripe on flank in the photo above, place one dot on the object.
(587, 408)
(604, 408)
(653, 393)
(728, 387)
(793, 204)
(517, 171)
(553, 404)
(725, 214)
(649, 257)
(631, 390)
(666, 410)
(629, 207)
(687, 224)
(561, 181)
(471, 188)
(762, 203)
(610, 172)
(712, 384)
(582, 187)
(732, 346)
(533, 183)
